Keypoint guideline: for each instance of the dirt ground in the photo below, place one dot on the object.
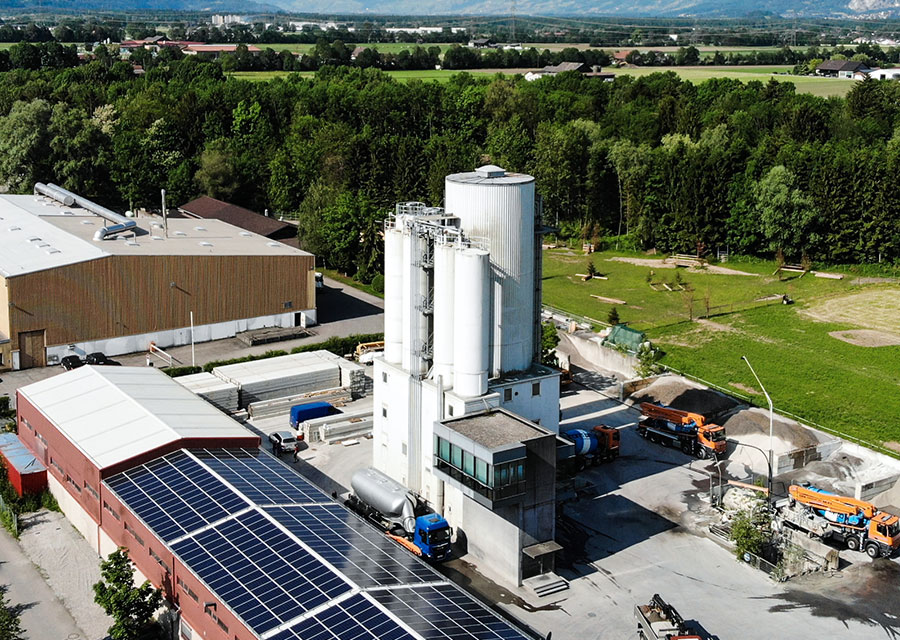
(867, 338)
(663, 264)
(877, 309)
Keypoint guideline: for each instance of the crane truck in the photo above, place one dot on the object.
(685, 430)
(660, 621)
(400, 514)
(855, 523)
(600, 444)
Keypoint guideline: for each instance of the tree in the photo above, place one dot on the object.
(549, 341)
(130, 607)
(24, 140)
(217, 175)
(613, 316)
(747, 533)
(648, 361)
(10, 623)
(591, 269)
(786, 213)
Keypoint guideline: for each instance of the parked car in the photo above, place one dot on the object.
(101, 359)
(283, 442)
(71, 362)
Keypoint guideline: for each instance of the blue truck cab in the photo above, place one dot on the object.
(433, 536)
(300, 413)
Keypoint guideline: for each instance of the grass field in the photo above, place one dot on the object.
(825, 380)
(402, 76)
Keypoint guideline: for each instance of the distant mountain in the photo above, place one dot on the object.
(598, 8)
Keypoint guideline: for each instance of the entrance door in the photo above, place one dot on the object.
(32, 351)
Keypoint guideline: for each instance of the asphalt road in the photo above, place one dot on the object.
(43, 616)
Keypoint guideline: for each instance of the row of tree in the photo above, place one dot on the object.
(754, 167)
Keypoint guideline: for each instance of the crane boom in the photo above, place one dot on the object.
(818, 499)
(677, 416)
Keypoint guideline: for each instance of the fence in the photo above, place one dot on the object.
(9, 516)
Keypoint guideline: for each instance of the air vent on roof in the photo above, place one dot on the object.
(34, 239)
(246, 234)
(205, 244)
(131, 243)
(43, 245)
(274, 244)
(199, 228)
(180, 233)
(68, 213)
(15, 228)
(86, 222)
(51, 251)
(156, 237)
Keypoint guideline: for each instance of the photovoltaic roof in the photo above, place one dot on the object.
(290, 562)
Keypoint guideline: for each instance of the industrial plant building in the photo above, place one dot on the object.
(242, 546)
(76, 278)
(462, 337)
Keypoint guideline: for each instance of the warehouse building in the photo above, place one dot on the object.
(77, 278)
(462, 333)
(242, 546)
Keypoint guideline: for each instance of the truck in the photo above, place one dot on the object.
(599, 444)
(400, 513)
(684, 430)
(857, 524)
(660, 621)
(300, 413)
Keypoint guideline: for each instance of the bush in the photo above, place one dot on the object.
(613, 316)
(378, 283)
(747, 535)
(339, 346)
(174, 372)
(209, 366)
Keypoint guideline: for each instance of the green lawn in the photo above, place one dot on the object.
(844, 387)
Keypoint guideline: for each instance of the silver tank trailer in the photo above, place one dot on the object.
(385, 495)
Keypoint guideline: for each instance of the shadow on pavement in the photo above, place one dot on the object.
(333, 304)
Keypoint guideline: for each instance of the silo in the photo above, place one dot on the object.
(471, 319)
(444, 274)
(499, 206)
(393, 295)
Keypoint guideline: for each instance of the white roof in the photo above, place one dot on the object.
(113, 414)
(30, 243)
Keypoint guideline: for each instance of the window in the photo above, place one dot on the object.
(59, 469)
(507, 395)
(536, 389)
(24, 421)
(481, 471)
(111, 510)
(289, 304)
(384, 411)
(159, 560)
(74, 484)
(384, 376)
(188, 590)
(456, 456)
(403, 448)
(134, 534)
(91, 491)
(443, 450)
(450, 410)
(468, 463)
(41, 438)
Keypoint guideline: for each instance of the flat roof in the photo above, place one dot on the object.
(28, 242)
(495, 428)
(38, 233)
(113, 414)
(490, 175)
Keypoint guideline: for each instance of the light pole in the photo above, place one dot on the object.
(771, 419)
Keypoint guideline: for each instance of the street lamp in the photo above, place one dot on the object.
(771, 419)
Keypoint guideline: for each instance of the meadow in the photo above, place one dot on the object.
(797, 350)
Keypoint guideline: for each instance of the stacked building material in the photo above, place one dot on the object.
(282, 376)
(213, 389)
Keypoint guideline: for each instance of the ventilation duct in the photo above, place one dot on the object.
(120, 222)
(55, 194)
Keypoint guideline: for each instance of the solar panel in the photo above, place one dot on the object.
(356, 618)
(443, 612)
(261, 573)
(261, 477)
(175, 495)
(355, 548)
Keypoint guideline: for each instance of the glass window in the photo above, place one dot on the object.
(536, 389)
(468, 463)
(504, 475)
(507, 395)
(520, 472)
(456, 456)
(445, 450)
(450, 410)
(481, 471)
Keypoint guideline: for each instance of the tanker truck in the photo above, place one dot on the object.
(600, 444)
(400, 513)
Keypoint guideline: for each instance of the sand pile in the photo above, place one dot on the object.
(686, 395)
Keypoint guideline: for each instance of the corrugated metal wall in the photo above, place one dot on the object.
(127, 295)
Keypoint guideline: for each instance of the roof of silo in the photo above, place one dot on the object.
(482, 176)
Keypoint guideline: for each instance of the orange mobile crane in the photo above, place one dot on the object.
(855, 523)
(688, 431)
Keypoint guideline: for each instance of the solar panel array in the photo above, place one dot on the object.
(287, 560)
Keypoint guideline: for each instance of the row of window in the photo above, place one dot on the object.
(134, 534)
(115, 514)
(493, 476)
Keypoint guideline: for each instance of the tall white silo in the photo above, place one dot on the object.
(393, 295)
(499, 206)
(444, 274)
(471, 319)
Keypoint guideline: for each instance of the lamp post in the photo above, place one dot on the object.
(771, 419)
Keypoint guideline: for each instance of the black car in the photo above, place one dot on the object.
(283, 442)
(101, 359)
(71, 362)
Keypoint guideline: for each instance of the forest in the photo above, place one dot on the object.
(667, 164)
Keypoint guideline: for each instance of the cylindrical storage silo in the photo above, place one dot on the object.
(443, 312)
(407, 300)
(471, 319)
(393, 296)
(499, 206)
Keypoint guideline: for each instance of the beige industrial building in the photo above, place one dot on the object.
(77, 278)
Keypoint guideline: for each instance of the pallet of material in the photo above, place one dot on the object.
(335, 432)
(282, 376)
(338, 396)
(218, 392)
(272, 334)
(317, 429)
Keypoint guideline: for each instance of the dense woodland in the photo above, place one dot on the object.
(752, 167)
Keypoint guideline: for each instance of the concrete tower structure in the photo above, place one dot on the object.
(462, 337)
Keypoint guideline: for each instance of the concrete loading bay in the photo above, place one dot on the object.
(640, 526)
